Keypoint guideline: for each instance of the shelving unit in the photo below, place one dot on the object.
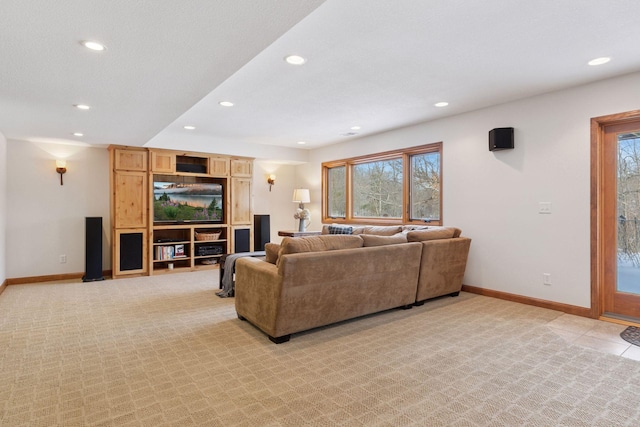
(198, 254)
(207, 253)
(165, 242)
(144, 245)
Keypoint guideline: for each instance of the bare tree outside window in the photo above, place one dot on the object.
(629, 198)
(377, 189)
(425, 186)
(337, 196)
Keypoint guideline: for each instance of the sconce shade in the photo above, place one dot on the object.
(271, 180)
(61, 168)
(301, 195)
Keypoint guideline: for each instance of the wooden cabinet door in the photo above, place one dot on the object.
(163, 162)
(241, 167)
(219, 166)
(240, 201)
(130, 160)
(130, 199)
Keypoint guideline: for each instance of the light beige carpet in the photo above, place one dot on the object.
(165, 351)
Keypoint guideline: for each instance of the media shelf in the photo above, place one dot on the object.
(185, 247)
(209, 246)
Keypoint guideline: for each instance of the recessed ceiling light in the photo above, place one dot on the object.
(441, 104)
(295, 60)
(81, 106)
(302, 142)
(189, 127)
(93, 45)
(599, 61)
(226, 103)
(355, 127)
(78, 134)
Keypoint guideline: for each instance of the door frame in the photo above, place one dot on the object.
(597, 206)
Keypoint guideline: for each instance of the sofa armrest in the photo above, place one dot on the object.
(442, 267)
(257, 291)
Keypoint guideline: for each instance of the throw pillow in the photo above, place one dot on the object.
(271, 251)
(340, 229)
(375, 240)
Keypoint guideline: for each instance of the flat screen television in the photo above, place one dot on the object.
(187, 199)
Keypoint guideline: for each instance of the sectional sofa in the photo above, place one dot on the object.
(307, 282)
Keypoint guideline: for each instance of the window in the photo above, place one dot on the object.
(337, 200)
(377, 189)
(402, 186)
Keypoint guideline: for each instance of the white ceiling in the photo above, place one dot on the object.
(378, 64)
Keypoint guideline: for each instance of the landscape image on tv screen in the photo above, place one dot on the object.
(178, 202)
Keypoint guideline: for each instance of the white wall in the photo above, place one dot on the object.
(46, 220)
(277, 202)
(3, 208)
(494, 196)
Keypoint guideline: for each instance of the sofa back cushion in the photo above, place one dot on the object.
(434, 233)
(329, 242)
(375, 240)
(378, 230)
(382, 230)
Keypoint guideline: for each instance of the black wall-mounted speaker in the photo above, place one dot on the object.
(500, 139)
(261, 232)
(93, 249)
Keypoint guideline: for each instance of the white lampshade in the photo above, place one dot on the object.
(60, 163)
(301, 195)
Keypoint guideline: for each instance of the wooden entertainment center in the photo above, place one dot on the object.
(144, 244)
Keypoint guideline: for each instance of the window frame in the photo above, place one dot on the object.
(405, 154)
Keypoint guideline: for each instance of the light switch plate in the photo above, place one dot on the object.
(544, 208)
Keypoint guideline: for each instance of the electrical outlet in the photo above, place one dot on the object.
(546, 279)
(63, 259)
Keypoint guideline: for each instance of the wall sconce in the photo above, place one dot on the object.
(271, 180)
(61, 168)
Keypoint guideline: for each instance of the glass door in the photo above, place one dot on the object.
(622, 220)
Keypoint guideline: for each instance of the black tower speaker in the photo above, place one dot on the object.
(261, 232)
(500, 139)
(242, 239)
(93, 250)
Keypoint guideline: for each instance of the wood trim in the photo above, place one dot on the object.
(50, 278)
(618, 321)
(597, 193)
(551, 305)
(3, 286)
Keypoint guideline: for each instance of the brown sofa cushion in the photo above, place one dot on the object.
(434, 233)
(328, 242)
(271, 251)
(374, 240)
(379, 230)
